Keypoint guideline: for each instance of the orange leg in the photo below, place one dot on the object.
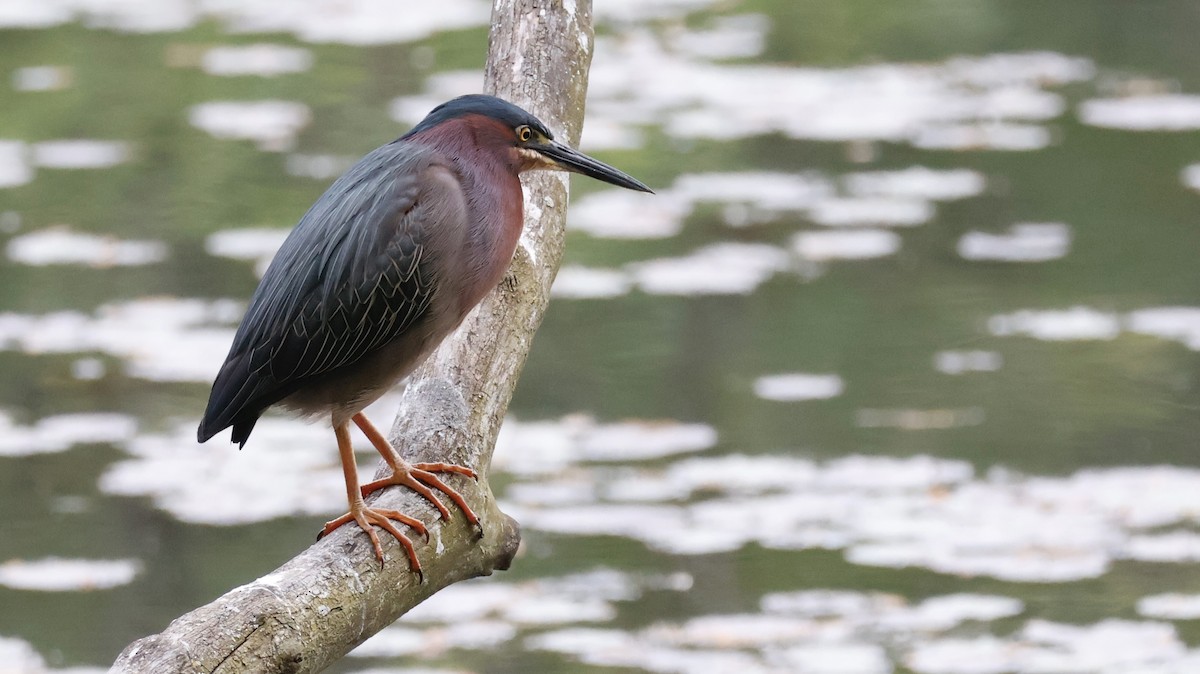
(364, 516)
(416, 476)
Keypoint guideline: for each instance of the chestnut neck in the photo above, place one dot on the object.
(481, 152)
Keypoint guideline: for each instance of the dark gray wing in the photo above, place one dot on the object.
(351, 277)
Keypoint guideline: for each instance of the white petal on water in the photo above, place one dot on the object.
(640, 440)
(880, 211)
(1175, 546)
(61, 245)
(740, 36)
(1076, 323)
(719, 269)
(959, 362)
(1110, 643)
(217, 484)
(835, 658)
(917, 182)
(15, 168)
(978, 655)
(1007, 69)
(939, 614)
(547, 610)
(263, 59)
(1163, 112)
(317, 166)
(960, 103)
(919, 512)
(42, 78)
(579, 282)
(357, 22)
(621, 214)
(33, 14)
(392, 642)
(919, 420)
(258, 244)
(1181, 324)
(53, 574)
(62, 432)
(80, 154)
(19, 655)
(542, 447)
(984, 136)
(409, 670)
(851, 244)
(1170, 606)
(765, 190)
(1024, 242)
(272, 125)
(146, 334)
(747, 631)
(799, 386)
(1191, 177)
(825, 603)
(88, 369)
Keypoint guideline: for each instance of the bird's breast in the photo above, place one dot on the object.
(497, 218)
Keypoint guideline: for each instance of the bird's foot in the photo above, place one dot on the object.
(366, 517)
(420, 477)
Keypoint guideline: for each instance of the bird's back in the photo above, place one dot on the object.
(354, 276)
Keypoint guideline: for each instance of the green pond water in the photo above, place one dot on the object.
(1021, 404)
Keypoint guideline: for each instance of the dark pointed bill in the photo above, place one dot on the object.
(578, 162)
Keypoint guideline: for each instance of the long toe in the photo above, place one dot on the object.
(369, 518)
(433, 481)
(420, 478)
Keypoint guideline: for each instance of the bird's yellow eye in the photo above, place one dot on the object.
(524, 133)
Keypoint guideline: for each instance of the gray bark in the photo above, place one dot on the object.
(331, 597)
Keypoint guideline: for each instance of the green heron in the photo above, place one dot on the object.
(377, 273)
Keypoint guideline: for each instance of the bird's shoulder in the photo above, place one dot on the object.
(356, 271)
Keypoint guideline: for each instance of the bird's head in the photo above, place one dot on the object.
(531, 146)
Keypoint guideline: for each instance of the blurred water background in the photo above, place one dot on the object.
(897, 373)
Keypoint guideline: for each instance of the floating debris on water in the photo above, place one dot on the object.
(54, 574)
(1180, 324)
(718, 269)
(262, 59)
(62, 432)
(617, 214)
(272, 125)
(250, 243)
(1161, 112)
(916, 182)
(80, 154)
(853, 244)
(535, 447)
(877, 211)
(1170, 606)
(579, 282)
(959, 362)
(1024, 242)
(64, 246)
(147, 335)
(799, 386)
(919, 420)
(15, 168)
(1076, 323)
(42, 78)
(300, 459)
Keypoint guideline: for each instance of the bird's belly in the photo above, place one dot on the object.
(344, 392)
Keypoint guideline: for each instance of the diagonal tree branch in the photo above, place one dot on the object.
(331, 597)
